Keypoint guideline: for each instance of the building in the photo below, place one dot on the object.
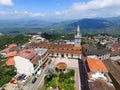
(62, 50)
(97, 70)
(28, 61)
(78, 37)
(8, 49)
(90, 51)
(113, 47)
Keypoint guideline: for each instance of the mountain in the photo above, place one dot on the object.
(87, 26)
(90, 26)
(93, 23)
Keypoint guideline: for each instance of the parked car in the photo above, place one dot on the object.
(21, 77)
(25, 79)
(34, 80)
(14, 81)
(39, 72)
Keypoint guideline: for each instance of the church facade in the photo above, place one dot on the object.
(63, 50)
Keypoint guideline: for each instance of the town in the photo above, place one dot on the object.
(86, 63)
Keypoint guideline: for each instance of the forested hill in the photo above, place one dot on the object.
(87, 26)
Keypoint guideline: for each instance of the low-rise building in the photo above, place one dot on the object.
(28, 61)
(97, 70)
(102, 53)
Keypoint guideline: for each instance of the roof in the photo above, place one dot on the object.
(9, 48)
(35, 59)
(115, 58)
(59, 48)
(65, 51)
(96, 65)
(10, 62)
(52, 45)
(27, 53)
(12, 45)
(89, 50)
(61, 66)
(11, 54)
(89, 74)
(41, 51)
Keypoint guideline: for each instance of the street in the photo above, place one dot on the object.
(83, 75)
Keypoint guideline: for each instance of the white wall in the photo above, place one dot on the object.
(23, 66)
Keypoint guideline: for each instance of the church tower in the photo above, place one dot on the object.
(78, 37)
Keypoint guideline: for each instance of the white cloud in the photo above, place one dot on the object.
(6, 3)
(19, 14)
(93, 8)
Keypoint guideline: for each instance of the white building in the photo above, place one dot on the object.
(23, 66)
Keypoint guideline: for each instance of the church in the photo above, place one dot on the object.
(62, 50)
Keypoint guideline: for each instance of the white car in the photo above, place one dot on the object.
(39, 72)
(25, 79)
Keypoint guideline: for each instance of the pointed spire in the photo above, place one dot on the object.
(78, 30)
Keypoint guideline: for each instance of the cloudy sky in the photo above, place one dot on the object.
(58, 9)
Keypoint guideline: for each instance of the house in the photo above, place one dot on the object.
(90, 51)
(113, 47)
(9, 48)
(97, 70)
(27, 61)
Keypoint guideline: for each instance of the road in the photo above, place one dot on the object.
(30, 86)
(83, 75)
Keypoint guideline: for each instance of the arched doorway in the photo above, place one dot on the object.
(62, 55)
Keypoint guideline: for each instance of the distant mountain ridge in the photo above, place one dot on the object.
(93, 23)
(87, 25)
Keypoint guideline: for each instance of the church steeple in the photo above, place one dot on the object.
(78, 30)
(78, 37)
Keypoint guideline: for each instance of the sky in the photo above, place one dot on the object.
(58, 9)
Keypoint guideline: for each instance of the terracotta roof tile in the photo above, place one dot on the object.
(12, 45)
(89, 75)
(8, 48)
(61, 66)
(65, 51)
(27, 53)
(10, 54)
(10, 62)
(60, 48)
(96, 64)
(35, 59)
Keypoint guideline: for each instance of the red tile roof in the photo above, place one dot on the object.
(12, 45)
(11, 54)
(89, 75)
(61, 66)
(65, 51)
(96, 64)
(59, 48)
(27, 53)
(35, 59)
(6, 50)
(10, 62)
